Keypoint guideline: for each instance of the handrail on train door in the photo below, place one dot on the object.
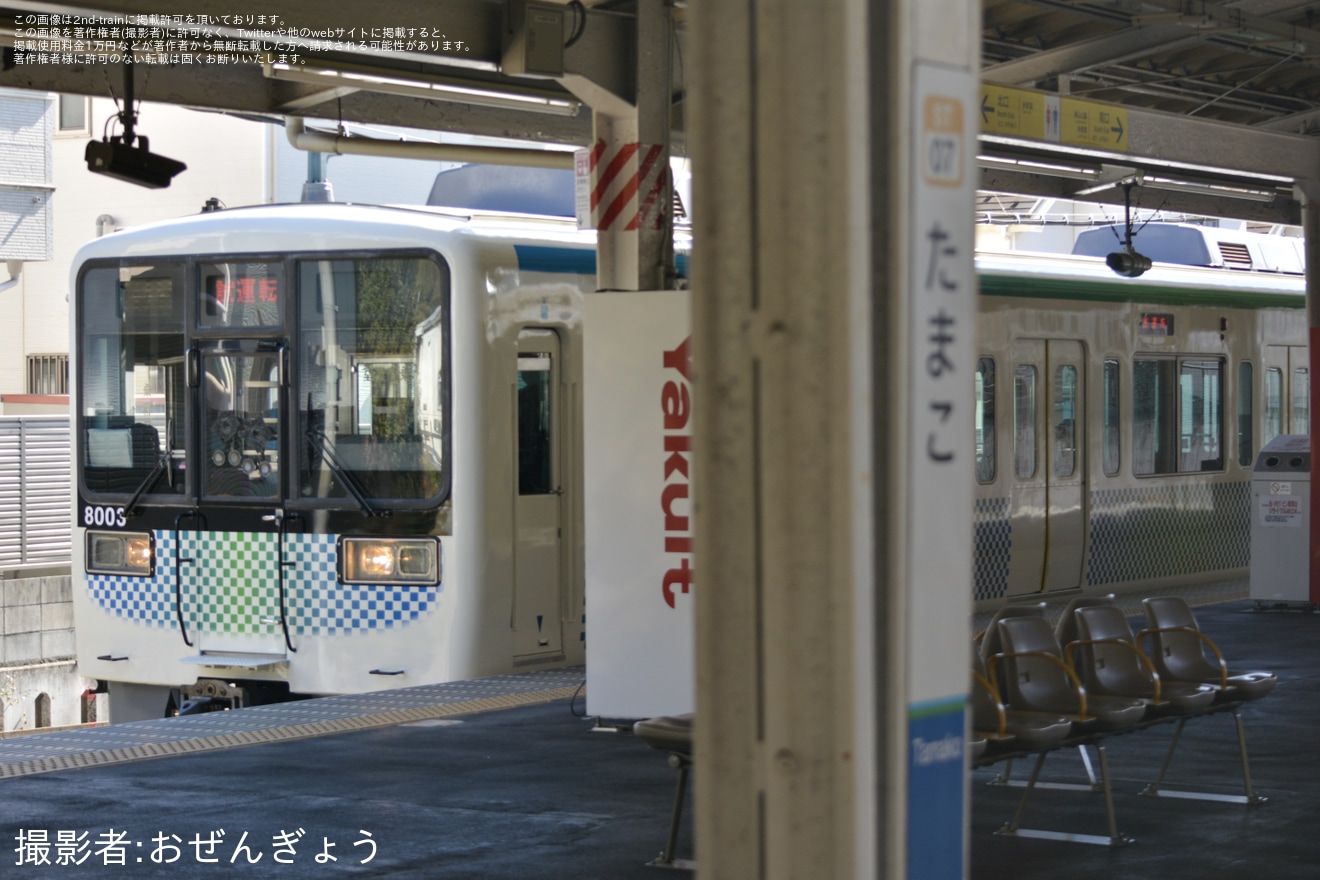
(178, 567)
(284, 611)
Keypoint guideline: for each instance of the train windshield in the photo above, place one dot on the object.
(371, 389)
(132, 366)
(285, 378)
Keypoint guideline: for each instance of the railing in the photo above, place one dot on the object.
(35, 492)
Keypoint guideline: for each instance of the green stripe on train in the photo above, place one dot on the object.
(1133, 292)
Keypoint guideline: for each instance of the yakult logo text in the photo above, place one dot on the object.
(676, 402)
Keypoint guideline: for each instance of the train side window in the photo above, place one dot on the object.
(1110, 438)
(1065, 420)
(1177, 415)
(985, 420)
(1024, 421)
(535, 470)
(1200, 427)
(1244, 389)
(1273, 403)
(1154, 419)
(1301, 401)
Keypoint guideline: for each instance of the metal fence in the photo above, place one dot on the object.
(35, 492)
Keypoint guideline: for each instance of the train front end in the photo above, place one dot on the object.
(263, 447)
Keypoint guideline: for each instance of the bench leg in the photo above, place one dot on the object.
(1115, 839)
(1092, 784)
(1250, 798)
(666, 859)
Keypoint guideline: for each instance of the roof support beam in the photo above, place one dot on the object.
(1283, 210)
(464, 43)
(1136, 42)
(1221, 19)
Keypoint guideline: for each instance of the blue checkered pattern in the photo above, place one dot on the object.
(320, 606)
(993, 531)
(148, 600)
(222, 593)
(1165, 529)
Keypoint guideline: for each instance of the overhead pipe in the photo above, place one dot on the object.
(342, 145)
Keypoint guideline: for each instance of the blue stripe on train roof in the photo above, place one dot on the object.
(545, 258)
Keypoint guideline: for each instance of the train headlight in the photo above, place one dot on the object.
(120, 553)
(413, 561)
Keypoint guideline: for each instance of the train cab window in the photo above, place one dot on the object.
(1177, 415)
(372, 383)
(985, 420)
(1065, 420)
(1244, 413)
(1301, 401)
(1273, 404)
(240, 422)
(1110, 438)
(1024, 421)
(131, 379)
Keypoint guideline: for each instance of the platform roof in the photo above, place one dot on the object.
(1222, 99)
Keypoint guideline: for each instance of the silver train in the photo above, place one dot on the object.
(1118, 420)
(331, 448)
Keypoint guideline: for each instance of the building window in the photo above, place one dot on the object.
(48, 374)
(73, 114)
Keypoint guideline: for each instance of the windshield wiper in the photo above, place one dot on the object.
(350, 483)
(131, 509)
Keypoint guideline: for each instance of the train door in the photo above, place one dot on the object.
(538, 508)
(230, 579)
(1049, 484)
(1287, 391)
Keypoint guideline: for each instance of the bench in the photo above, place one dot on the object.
(1090, 671)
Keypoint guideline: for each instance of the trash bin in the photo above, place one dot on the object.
(1281, 521)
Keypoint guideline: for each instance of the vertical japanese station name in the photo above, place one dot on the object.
(938, 504)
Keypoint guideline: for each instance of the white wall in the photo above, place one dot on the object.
(227, 158)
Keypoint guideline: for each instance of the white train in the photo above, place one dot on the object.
(326, 449)
(329, 448)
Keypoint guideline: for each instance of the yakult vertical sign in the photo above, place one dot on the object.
(637, 447)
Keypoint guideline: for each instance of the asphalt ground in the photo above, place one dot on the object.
(529, 792)
(533, 792)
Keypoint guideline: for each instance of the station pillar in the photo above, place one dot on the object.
(631, 188)
(834, 295)
(1309, 192)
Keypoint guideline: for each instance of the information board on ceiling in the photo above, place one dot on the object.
(1025, 113)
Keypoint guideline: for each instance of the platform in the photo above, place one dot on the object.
(448, 785)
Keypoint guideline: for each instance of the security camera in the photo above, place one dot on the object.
(118, 158)
(1128, 262)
